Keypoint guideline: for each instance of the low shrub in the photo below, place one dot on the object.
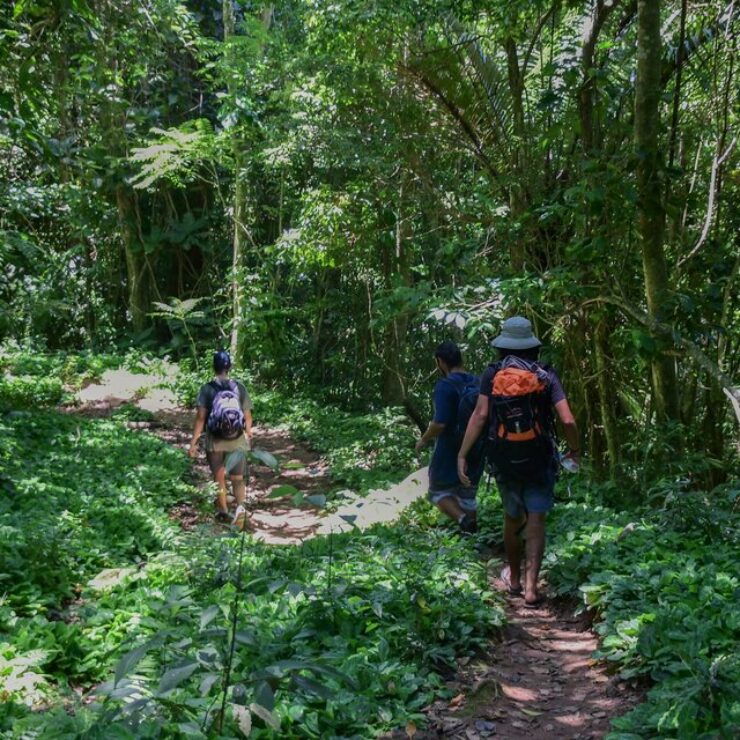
(665, 587)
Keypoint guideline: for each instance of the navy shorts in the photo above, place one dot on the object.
(536, 497)
(463, 495)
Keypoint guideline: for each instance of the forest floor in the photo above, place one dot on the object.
(538, 680)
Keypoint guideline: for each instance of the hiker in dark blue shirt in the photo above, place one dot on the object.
(445, 490)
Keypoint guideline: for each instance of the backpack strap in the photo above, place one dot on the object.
(458, 385)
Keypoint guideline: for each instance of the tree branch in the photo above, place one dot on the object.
(716, 166)
(692, 349)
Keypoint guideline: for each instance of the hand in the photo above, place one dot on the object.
(462, 472)
(575, 456)
(193, 451)
(571, 461)
(420, 445)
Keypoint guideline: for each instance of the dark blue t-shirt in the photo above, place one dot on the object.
(443, 467)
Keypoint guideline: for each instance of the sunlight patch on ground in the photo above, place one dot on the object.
(123, 385)
(379, 506)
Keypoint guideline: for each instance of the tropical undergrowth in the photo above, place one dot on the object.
(363, 450)
(345, 636)
(664, 585)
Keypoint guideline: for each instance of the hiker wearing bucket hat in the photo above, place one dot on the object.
(517, 398)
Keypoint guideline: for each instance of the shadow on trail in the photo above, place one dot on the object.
(539, 681)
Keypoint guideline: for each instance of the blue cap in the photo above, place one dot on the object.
(221, 361)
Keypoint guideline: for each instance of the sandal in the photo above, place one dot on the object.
(506, 578)
(539, 601)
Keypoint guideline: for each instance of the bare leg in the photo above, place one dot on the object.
(535, 550)
(238, 486)
(513, 546)
(220, 477)
(449, 506)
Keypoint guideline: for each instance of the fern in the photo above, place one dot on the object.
(175, 154)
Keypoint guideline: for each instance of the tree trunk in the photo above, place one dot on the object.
(139, 302)
(606, 399)
(241, 187)
(517, 189)
(650, 206)
(396, 263)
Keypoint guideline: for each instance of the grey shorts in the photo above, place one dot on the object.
(535, 497)
(463, 495)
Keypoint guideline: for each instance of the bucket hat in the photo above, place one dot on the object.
(516, 333)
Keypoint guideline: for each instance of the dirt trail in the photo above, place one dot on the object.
(539, 681)
(271, 520)
(274, 521)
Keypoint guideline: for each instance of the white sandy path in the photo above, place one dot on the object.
(380, 505)
(122, 385)
(288, 525)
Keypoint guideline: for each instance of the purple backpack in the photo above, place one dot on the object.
(226, 418)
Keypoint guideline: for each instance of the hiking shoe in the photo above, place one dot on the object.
(240, 517)
(223, 517)
(468, 525)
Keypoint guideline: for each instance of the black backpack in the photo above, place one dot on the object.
(468, 391)
(520, 422)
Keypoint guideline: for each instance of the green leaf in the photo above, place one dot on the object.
(281, 491)
(270, 719)
(208, 615)
(175, 676)
(316, 499)
(264, 457)
(245, 638)
(264, 696)
(208, 682)
(129, 661)
(313, 687)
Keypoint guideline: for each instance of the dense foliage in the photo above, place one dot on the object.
(664, 594)
(346, 635)
(331, 188)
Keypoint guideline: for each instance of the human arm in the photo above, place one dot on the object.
(570, 428)
(200, 422)
(445, 406)
(433, 431)
(476, 425)
(248, 424)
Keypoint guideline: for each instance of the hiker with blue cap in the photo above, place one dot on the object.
(518, 395)
(225, 412)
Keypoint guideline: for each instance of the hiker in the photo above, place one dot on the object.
(225, 411)
(455, 395)
(517, 396)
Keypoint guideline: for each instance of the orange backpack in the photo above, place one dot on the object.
(520, 420)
